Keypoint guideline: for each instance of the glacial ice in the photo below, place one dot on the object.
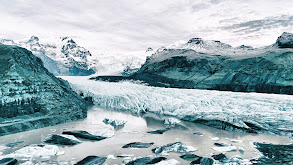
(114, 122)
(171, 121)
(270, 111)
(169, 162)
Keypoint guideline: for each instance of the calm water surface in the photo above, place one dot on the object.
(135, 131)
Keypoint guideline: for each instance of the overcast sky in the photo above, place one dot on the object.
(128, 25)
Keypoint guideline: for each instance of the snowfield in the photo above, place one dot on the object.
(270, 112)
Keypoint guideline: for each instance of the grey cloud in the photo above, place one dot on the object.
(258, 25)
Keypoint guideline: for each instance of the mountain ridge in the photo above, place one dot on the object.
(191, 65)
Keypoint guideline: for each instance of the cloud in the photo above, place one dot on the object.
(128, 25)
(258, 25)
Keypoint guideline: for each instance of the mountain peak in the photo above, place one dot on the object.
(149, 49)
(33, 39)
(285, 40)
(195, 40)
(67, 39)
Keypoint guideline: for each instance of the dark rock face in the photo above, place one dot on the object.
(58, 139)
(285, 40)
(84, 135)
(27, 88)
(8, 161)
(138, 145)
(275, 154)
(91, 160)
(160, 131)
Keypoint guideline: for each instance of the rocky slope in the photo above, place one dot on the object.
(32, 97)
(214, 65)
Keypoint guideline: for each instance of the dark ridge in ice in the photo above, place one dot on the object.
(146, 160)
(58, 139)
(138, 145)
(190, 157)
(220, 157)
(223, 125)
(8, 161)
(92, 160)
(84, 135)
(160, 131)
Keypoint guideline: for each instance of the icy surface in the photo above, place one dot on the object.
(270, 111)
(225, 149)
(173, 147)
(215, 139)
(44, 151)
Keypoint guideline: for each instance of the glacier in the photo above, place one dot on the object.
(269, 113)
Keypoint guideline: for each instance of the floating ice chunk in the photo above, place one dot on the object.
(215, 139)
(240, 149)
(169, 162)
(111, 157)
(225, 148)
(173, 147)
(236, 141)
(171, 121)
(43, 151)
(114, 122)
(13, 144)
(125, 155)
(237, 159)
(198, 133)
(218, 144)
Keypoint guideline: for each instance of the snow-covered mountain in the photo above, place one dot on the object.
(31, 95)
(214, 65)
(65, 57)
(62, 57)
